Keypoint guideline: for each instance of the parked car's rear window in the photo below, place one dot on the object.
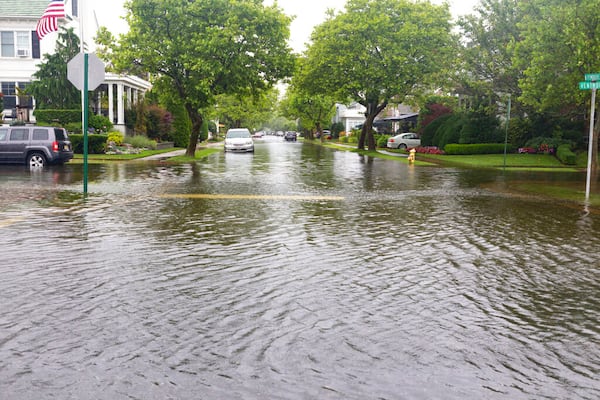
(3, 133)
(40, 134)
(19, 134)
(60, 134)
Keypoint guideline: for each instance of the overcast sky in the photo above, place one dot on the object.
(308, 13)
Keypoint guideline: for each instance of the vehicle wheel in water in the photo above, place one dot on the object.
(36, 160)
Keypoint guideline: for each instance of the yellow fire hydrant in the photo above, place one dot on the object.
(411, 156)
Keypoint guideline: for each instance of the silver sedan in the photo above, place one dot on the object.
(404, 141)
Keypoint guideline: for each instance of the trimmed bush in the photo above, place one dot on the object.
(480, 148)
(96, 143)
(565, 155)
(60, 117)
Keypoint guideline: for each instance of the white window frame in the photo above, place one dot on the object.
(21, 44)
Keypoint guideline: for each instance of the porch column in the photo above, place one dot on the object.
(120, 107)
(111, 104)
(129, 97)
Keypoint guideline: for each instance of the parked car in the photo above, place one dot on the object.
(404, 141)
(290, 136)
(239, 139)
(36, 146)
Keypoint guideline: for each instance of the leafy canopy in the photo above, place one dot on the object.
(377, 51)
(200, 49)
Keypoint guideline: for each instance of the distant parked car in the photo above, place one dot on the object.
(36, 146)
(404, 141)
(239, 139)
(290, 136)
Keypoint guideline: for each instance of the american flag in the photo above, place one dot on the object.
(49, 20)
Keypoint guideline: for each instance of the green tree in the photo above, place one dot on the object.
(489, 39)
(248, 111)
(313, 110)
(377, 52)
(204, 48)
(560, 44)
(51, 88)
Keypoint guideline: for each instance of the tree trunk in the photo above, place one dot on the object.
(197, 120)
(366, 134)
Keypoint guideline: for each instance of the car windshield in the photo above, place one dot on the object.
(238, 134)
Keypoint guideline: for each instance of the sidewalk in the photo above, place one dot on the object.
(164, 156)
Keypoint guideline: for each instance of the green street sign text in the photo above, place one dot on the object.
(587, 85)
(592, 77)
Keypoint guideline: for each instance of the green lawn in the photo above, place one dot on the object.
(78, 158)
(513, 161)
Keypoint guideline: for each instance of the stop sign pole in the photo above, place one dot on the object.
(86, 72)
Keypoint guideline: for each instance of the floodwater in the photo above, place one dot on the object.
(297, 272)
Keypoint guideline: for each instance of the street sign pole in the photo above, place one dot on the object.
(590, 147)
(84, 115)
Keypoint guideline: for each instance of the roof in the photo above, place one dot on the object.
(401, 117)
(20, 8)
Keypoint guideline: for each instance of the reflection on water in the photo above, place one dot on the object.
(420, 284)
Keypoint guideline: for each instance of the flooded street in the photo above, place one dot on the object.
(297, 272)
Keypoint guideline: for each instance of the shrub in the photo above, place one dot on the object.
(449, 131)
(431, 128)
(479, 148)
(159, 123)
(336, 128)
(382, 140)
(73, 128)
(100, 124)
(60, 117)
(565, 155)
(116, 137)
(96, 143)
(140, 141)
(544, 144)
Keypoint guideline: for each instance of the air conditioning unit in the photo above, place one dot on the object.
(22, 53)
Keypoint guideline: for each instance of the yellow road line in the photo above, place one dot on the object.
(248, 197)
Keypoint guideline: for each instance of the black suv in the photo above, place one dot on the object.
(35, 146)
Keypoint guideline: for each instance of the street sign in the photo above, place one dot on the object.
(587, 85)
(592, 77)
(95, 71)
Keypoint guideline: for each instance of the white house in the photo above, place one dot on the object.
(21, 51)
(350, 115)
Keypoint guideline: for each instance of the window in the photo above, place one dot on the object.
(19, 134)
(7, 44)
(15, 44)
(3, 133)
(22, 44)
(40, 134)
(8, 88)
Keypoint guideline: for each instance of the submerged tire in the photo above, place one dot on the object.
(36, 160)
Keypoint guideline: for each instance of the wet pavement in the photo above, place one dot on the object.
(297, 272)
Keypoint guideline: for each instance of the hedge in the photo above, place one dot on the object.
(565, 155)
(96, 143)
(479, 148)
(61, 117)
